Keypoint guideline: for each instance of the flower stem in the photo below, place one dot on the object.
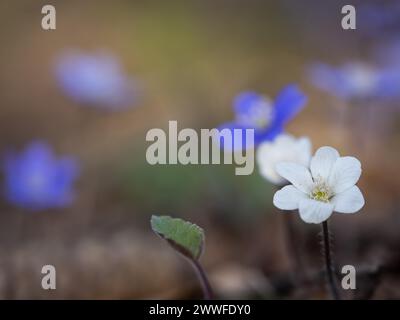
(329, 261)
(205, 284)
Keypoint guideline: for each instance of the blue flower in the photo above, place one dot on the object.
(35, 180)
(388, 53)
(377, 19)
(356, 80)
(267, 118)
(96, 80)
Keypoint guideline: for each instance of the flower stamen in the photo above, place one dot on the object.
(259, 115)
(321, 192)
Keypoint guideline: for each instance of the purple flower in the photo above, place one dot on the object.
(96, 80)
(356, 80)
(268, 118)
(35, 180)
(377, 19)
(388, 53)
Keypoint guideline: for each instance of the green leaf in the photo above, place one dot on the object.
(185, 237)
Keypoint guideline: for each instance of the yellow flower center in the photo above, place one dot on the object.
(261, 123)
(321, 192)
(259, 115)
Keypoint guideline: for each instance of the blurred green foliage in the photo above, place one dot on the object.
(181, 189)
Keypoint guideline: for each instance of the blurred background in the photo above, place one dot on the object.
(189, 59)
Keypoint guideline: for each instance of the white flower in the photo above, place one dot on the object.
(327, 186)
(285, 147)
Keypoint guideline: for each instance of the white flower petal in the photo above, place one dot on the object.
(284, 139)
(303, 151)
(323, 161)
(266, 158)
(349, 201)
(272, 176)
(288, 198)
(263, 152)
(296, 174)
(345, 174)
(284, 148)
(313, 211)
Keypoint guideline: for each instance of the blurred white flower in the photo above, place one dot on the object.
(327, 185)
(285, 147)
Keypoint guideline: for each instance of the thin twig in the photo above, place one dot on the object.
(329, 261)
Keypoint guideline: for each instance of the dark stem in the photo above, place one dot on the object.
(205, 284)
(328, 261)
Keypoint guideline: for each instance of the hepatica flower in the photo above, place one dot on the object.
(327, 185)
(388, 53)
(356, 80)
(36, 180)
(96, 80)
(268, 118)
(375, 19)
(285, 147)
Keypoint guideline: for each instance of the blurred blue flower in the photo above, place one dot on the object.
(267, 118)
(35, 180)
(378, 19)
(388, 53)
(96, 80)
(357, 80)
